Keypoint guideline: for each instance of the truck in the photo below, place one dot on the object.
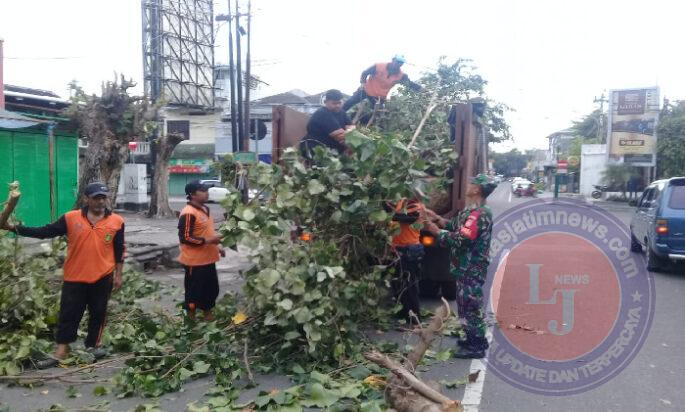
(468, 136)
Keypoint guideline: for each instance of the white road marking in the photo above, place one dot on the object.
(473, 393)
(510, 197)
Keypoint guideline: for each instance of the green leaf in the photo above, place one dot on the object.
(248, 215)
(269, 277)
(72, 392)
(315, 187)
(378, 216)
(185, 374)
(286, 304)
(292, 335)
(100, 391)
(201, 367)
(320, 396)
(297, 369)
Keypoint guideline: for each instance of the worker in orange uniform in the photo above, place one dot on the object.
(377, 80)
(93, 267)
(410, 252)
(200, 251)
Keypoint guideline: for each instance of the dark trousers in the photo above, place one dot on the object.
(76, 297)
(406, 281)
(357, 97)
(201, 286)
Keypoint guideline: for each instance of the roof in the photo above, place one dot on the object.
(566, 132)
(282, 98)
(28, 90)
(12, 120)
(293, 97)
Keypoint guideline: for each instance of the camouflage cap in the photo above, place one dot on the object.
(487, 186)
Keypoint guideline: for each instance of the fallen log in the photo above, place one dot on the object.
(12, 200)
(406, 392)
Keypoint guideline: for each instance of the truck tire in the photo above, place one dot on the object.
(635, 246)
(449, 289)
(654, 262)
(596, 194)
(428, 288)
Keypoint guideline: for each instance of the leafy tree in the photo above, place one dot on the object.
(510, 163)
(588, 128)
(449, 84)
(671, 140)
(108, 123)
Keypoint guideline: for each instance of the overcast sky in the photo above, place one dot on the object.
(546, 59)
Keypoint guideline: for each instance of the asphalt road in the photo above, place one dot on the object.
(651, 382)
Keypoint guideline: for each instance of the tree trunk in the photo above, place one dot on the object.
(159, 199)
(103, 161)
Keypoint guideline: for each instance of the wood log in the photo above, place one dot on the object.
(12, 200)
(407, 393)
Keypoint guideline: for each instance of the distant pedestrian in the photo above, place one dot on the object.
(200, 251)
(468, 238)
(92, 269)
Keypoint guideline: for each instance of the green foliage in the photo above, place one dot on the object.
(452, 82)
(671, 141)
(315, 295)
(591, 127)
(510, 163)
(28, 305)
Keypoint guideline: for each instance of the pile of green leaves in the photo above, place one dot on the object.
(28, 305)
(314, 296)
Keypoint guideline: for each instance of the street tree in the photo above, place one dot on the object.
(108, 123)
(510, 163)
(591, 127)
(671, 140)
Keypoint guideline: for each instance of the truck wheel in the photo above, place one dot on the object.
(654, 262)
(596, 194)
(635, 246)
(449, 289)
(428, 288)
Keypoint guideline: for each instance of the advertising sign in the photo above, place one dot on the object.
(189, 166)
(633, 116)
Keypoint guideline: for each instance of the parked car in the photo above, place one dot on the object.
(519, 181)
(658, 224)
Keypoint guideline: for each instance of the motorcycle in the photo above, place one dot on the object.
(597, 193)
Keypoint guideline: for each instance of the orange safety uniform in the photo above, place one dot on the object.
(381, 82)
(408, 235)
(195, 226)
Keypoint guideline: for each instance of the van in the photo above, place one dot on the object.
(658, 224)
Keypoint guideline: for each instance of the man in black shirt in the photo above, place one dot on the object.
(327, 126)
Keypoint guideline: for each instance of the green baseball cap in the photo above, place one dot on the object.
(486, 185)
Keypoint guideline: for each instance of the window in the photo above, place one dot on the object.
(677, 200)
(646, 199)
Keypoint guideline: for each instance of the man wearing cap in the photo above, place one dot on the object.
(468, 237)
(92, 269)
(377, 80)
(200, 251)
(327, 126)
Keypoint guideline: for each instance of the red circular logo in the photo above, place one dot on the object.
(554, 306)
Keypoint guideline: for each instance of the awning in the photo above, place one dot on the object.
(13, 120)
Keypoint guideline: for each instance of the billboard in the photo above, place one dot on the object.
(633, 116)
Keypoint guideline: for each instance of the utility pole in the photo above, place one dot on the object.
(601, 100)
(246, 144)
(239, 77)
(2, 84)
(231, 74)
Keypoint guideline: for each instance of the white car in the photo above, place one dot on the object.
(519, 181)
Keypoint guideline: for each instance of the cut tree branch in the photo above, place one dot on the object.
(12, 200)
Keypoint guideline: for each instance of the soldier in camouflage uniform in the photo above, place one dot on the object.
(468, 237)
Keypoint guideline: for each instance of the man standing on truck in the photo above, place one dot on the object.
(199, 252)
(327, 126)
(378, 80)
(92, 269)
(409, 253)
(468, 238)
